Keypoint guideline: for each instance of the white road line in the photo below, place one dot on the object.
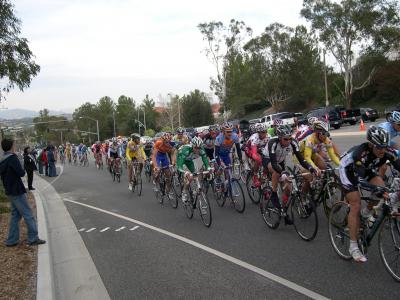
(266, 274)
(134, 228)
(121, 228)
(82, 229)
(91, 229)
(105, 229)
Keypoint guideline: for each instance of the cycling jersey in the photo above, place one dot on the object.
(255, 145)
(113, 151)
(392, 132)
(162, 147)
(312, 144)
(186, 156)
(97, 148)
(271, 132)
(182, 140)
(276, 154)
(303, 132)
(134, 150)
(255, 140)
(209, 141)
(223, 147)
(359, 165)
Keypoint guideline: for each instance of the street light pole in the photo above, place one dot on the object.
(97, 125)
(115, 134)
(326, 83)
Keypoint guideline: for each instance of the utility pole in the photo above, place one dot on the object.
(326, 83)
(115, 134)
(144, 118)
(61, 133)
(179, 113)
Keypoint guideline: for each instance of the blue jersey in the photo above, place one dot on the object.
(225, 145)
(392, 132)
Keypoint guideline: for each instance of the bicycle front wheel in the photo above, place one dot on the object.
(333, 194)
(204, 209)
(339, 229)
(253, 192)
(138, 185)
(269, 212)
(237, 196)
(173, 197)
(305, 219)
(389, 246)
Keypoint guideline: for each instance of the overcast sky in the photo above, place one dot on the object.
(93, 48)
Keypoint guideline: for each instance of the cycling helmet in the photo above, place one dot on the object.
(311, 120)
(378, 136)
(166, 136)
(261, 127)
(227, 126)
(278, 122)
(213, 128)
(180, 130)
(135, 137)
(320, 126)
(395, 117)
(284, 131)
(197, 142)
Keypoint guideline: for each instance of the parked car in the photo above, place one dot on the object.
(351, 116)
(327, 113)
(369, 114)
(286, 117)
(254, 121)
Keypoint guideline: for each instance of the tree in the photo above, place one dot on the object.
(17, 67)
(350, 24)
(222, 42)
(125, 115)
(148, 106)
(197, 110)
(51, 132)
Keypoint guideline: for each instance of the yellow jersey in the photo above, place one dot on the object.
(134, 150)
(311, 145)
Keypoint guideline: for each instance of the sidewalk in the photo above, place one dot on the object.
(65, 267)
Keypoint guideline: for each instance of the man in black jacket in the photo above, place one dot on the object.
(29, 166)
(11, 172)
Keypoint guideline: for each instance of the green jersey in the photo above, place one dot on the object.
(271, 132)
(186, 157)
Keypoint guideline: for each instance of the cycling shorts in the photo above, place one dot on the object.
(190, 165)
(114, 155)
(162, 160)
(226, 159)
(210, 153)
(349, 180)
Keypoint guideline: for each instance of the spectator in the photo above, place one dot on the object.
(29, 166)
(40, 161)
(11, 172)
(51, 161)
(45, 162)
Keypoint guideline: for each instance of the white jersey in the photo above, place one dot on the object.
(255, 140)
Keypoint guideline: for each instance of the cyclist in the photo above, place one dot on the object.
(360, 167)
(186, 155)
(61, 152)
(113, 154)
(80, 151)
(180, 138)
(272, 129)
(134, 152)
(74, 151)
(305, 130)
(253, 148)
(209, 140)
(224, 143)
(311, 147)
(68, 152)
(148, 148)
(97, 151)
(274, 155)
(392, 126)
(160, 158)
(84, 153)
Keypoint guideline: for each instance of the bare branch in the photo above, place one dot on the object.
(367, 81)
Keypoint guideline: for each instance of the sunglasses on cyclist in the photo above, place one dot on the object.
(380, 147)
(287, 139)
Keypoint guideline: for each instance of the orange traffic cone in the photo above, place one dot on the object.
(362, 126)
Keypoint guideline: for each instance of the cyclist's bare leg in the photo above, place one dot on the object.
(354, 215)
(275, 178)
(130, 164)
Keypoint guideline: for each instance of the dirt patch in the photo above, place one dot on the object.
(18, 264)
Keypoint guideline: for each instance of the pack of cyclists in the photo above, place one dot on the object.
(309, 146)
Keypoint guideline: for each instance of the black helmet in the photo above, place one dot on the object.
(283, 130)
(378, 136)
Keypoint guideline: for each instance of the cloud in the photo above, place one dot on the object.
(90, 48)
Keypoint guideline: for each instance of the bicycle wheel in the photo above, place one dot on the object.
(389, 246)
(237, 196)
(269, 212)
(138, 185)
(161, 190)
(188, 206)
(236, 171)
(339, 230)
(333, 194)
(177, 184)
(305, 219)
(173, 197)
(219, 194)
(204, 209)
(253, 192)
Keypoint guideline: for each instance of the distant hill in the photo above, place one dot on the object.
(18, 113)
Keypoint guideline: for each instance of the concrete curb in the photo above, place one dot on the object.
(45, 284)
(71, 272)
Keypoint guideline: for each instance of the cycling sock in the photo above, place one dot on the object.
(353, 245)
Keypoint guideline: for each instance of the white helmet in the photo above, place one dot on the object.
(311, 120)
(395, 117)
(261, 127)
(197, 142)
(320, 125)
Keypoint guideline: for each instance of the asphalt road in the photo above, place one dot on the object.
(140, 262)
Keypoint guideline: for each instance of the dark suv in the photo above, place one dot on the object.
(323, 113)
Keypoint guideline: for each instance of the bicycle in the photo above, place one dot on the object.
(303, 213)
(99, 161)
(162, 187)
(255, 194)
(387, 223)
(116, 169)
(197, 198)
(136, 178)
(75, 155)
(147, 169)
(84, 160)
(228, 189)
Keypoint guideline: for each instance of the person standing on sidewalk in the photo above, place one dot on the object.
(39, 161)
(11, 172)
(29, 166)
(45, 162)
(51, 159)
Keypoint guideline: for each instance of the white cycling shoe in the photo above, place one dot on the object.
(357, 255)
